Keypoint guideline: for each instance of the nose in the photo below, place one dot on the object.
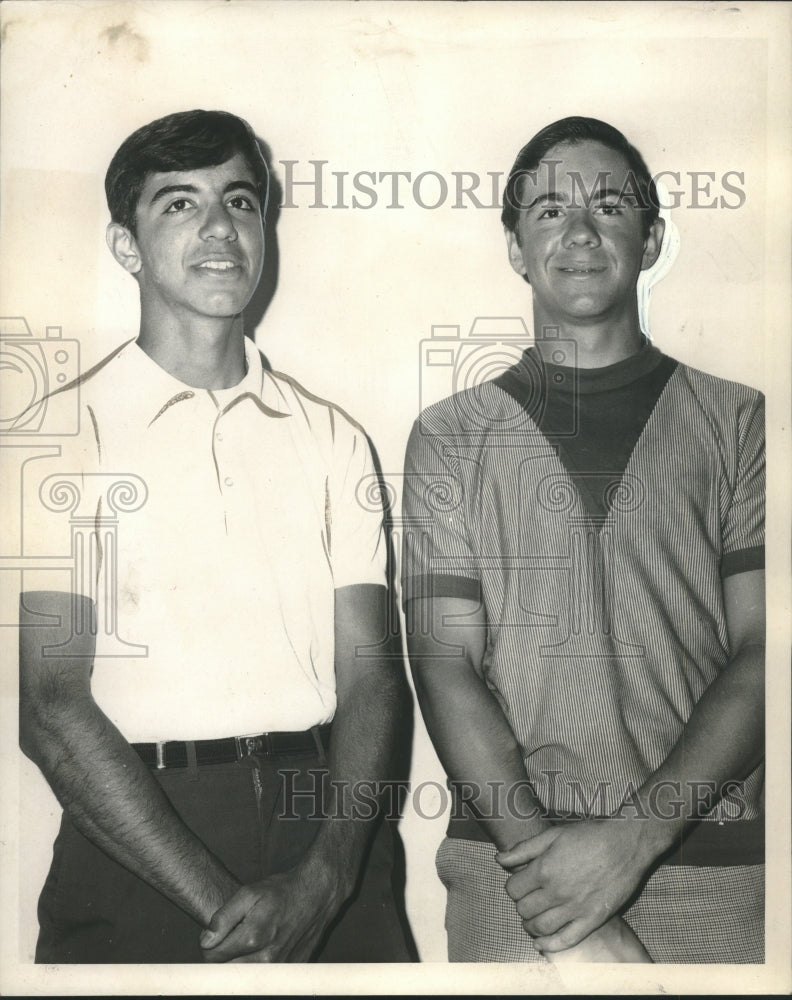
(580, 230)
(218, 224)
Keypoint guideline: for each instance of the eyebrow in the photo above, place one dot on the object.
(554, 196)
(239, 185)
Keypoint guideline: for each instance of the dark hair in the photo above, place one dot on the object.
(186, 140)
(576, 130)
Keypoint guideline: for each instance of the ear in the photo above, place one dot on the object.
(653, 244)
(123, 247)
(515, 252)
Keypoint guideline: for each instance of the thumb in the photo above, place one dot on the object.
(224, 921)
(526, 850)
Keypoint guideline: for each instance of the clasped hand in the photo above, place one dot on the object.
(571, 879)
(278, 919)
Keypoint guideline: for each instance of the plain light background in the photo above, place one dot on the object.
(401, 87)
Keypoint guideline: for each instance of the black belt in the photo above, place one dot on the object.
(233, 748)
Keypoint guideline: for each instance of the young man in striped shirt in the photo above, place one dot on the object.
(585, 608)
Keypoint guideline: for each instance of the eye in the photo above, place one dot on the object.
(178, 205)
(550, 213)
(610, 208)
(243, 203)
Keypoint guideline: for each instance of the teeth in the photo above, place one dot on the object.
(218, 265)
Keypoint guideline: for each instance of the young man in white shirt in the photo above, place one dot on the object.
(189, 721)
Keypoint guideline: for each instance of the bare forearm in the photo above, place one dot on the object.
(372, 708)
(722, 742)
(360, 762)
(446, 638)
(114, 801)
(478, 750)
(480, 753)
(282, 917)
(98, 778)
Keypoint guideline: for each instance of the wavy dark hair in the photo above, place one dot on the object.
(575, 130)
(186, 140)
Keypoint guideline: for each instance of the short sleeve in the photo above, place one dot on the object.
(743, 525)
(438, 559)
(59, 514)
(354, 514)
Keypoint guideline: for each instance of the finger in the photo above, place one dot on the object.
(567, 937)
(527, 850)
(233, 948)
(522, 883)
(548, 922)
(248, 937)
(534, 903)
(226, 918)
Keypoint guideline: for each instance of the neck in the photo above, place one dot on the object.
(209, 354)
(597, 344)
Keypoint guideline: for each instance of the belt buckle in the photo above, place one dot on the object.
(247, 746)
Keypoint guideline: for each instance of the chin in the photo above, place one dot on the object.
(591, 310)
(224, 310)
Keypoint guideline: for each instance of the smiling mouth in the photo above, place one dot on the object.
(218, 265)
(581, 270)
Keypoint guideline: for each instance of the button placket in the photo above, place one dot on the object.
(218, 439)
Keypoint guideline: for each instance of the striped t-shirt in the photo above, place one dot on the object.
(595, 512)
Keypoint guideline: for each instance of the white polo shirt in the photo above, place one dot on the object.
(245, 509)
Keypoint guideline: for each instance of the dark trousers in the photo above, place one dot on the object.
(258, 817)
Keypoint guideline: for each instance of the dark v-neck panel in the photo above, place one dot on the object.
(592, 417)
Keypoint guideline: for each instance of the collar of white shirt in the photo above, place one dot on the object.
(156, 390)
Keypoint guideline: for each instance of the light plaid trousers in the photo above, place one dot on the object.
(684, 914)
